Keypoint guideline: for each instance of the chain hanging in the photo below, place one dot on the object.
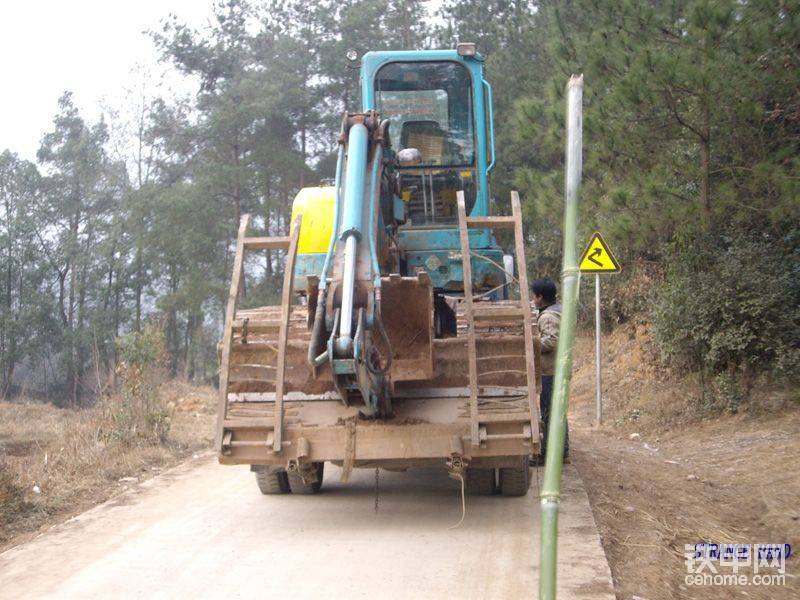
(377, 489)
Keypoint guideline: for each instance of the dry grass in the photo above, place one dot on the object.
(641, 395)
(57, 462)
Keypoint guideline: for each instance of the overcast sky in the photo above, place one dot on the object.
(89, 47)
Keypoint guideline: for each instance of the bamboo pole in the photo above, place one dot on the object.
(570, 282)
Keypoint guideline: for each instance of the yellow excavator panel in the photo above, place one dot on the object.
(316, 204)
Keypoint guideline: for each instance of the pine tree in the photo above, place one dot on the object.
(24, 295)
(79, 196)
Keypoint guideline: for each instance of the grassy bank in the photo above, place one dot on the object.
(57, 462)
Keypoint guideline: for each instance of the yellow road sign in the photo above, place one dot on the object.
(597, 257)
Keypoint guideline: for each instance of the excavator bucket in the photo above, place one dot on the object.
(407, 312)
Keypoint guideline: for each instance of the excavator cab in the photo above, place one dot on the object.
(429, 107)
(439, 108)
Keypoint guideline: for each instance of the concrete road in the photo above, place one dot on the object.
(205, 531)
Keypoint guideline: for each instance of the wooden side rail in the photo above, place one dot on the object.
(227, 332)
(525, 305)
(283, 335)
(244, 325)
(472, 359)
(520, 310)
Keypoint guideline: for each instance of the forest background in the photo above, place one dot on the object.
(692, 128)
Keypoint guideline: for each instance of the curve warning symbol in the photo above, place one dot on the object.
(597, 258)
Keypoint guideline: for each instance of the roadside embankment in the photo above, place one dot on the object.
(669, 468)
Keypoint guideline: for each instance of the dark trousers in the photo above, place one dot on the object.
(545, 401)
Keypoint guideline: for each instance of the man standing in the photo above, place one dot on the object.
(549, 321)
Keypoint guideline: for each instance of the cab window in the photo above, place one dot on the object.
(429, 106)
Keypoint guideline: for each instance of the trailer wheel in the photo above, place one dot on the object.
(479, 482)
(298, 486)
(272, 480)
(515, 481)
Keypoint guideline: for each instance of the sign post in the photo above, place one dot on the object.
(597, 259)
(597, 377)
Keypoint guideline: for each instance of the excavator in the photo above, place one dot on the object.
(404, 337)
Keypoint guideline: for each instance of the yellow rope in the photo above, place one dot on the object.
(349, 449)
(463, 502)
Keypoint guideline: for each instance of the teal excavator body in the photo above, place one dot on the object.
(406, 347)
(393, 256)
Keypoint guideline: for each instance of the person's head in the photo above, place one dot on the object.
(544, 292)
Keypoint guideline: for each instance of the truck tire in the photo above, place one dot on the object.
(515, 481)
(479, 482)
(298, 486)
(272, 480)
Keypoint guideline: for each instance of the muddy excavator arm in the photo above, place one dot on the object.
(346, 319)
(350, 330)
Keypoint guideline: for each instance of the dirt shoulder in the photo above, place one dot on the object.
(661, 474)
(54, 462)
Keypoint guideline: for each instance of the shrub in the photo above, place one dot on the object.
(730, 305)
(137, 411)
(12, 496)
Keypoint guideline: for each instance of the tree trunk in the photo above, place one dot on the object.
(81, 346)
(705, 143)
(137, 323)
(237, 186)
(6, 356)
(172, 325)
(268, 219)
(705, 192)
(8, 378)
(72, 377)
(303, 142)
(705, 162)
(193, 326)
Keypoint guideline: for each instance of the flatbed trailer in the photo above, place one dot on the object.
(476, 412)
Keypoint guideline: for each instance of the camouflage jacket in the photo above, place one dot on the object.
(549, 321)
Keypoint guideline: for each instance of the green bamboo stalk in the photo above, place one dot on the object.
(570, 282)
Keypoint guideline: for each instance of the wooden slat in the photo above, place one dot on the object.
(494, 222)
(471, 350)
(250, 423)
(499, 312)
(257, 325)
(251, 373)
(286, 311)
(506, 417)
(267, 243)
(227, 336)
(525, 302)
(253, 348)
